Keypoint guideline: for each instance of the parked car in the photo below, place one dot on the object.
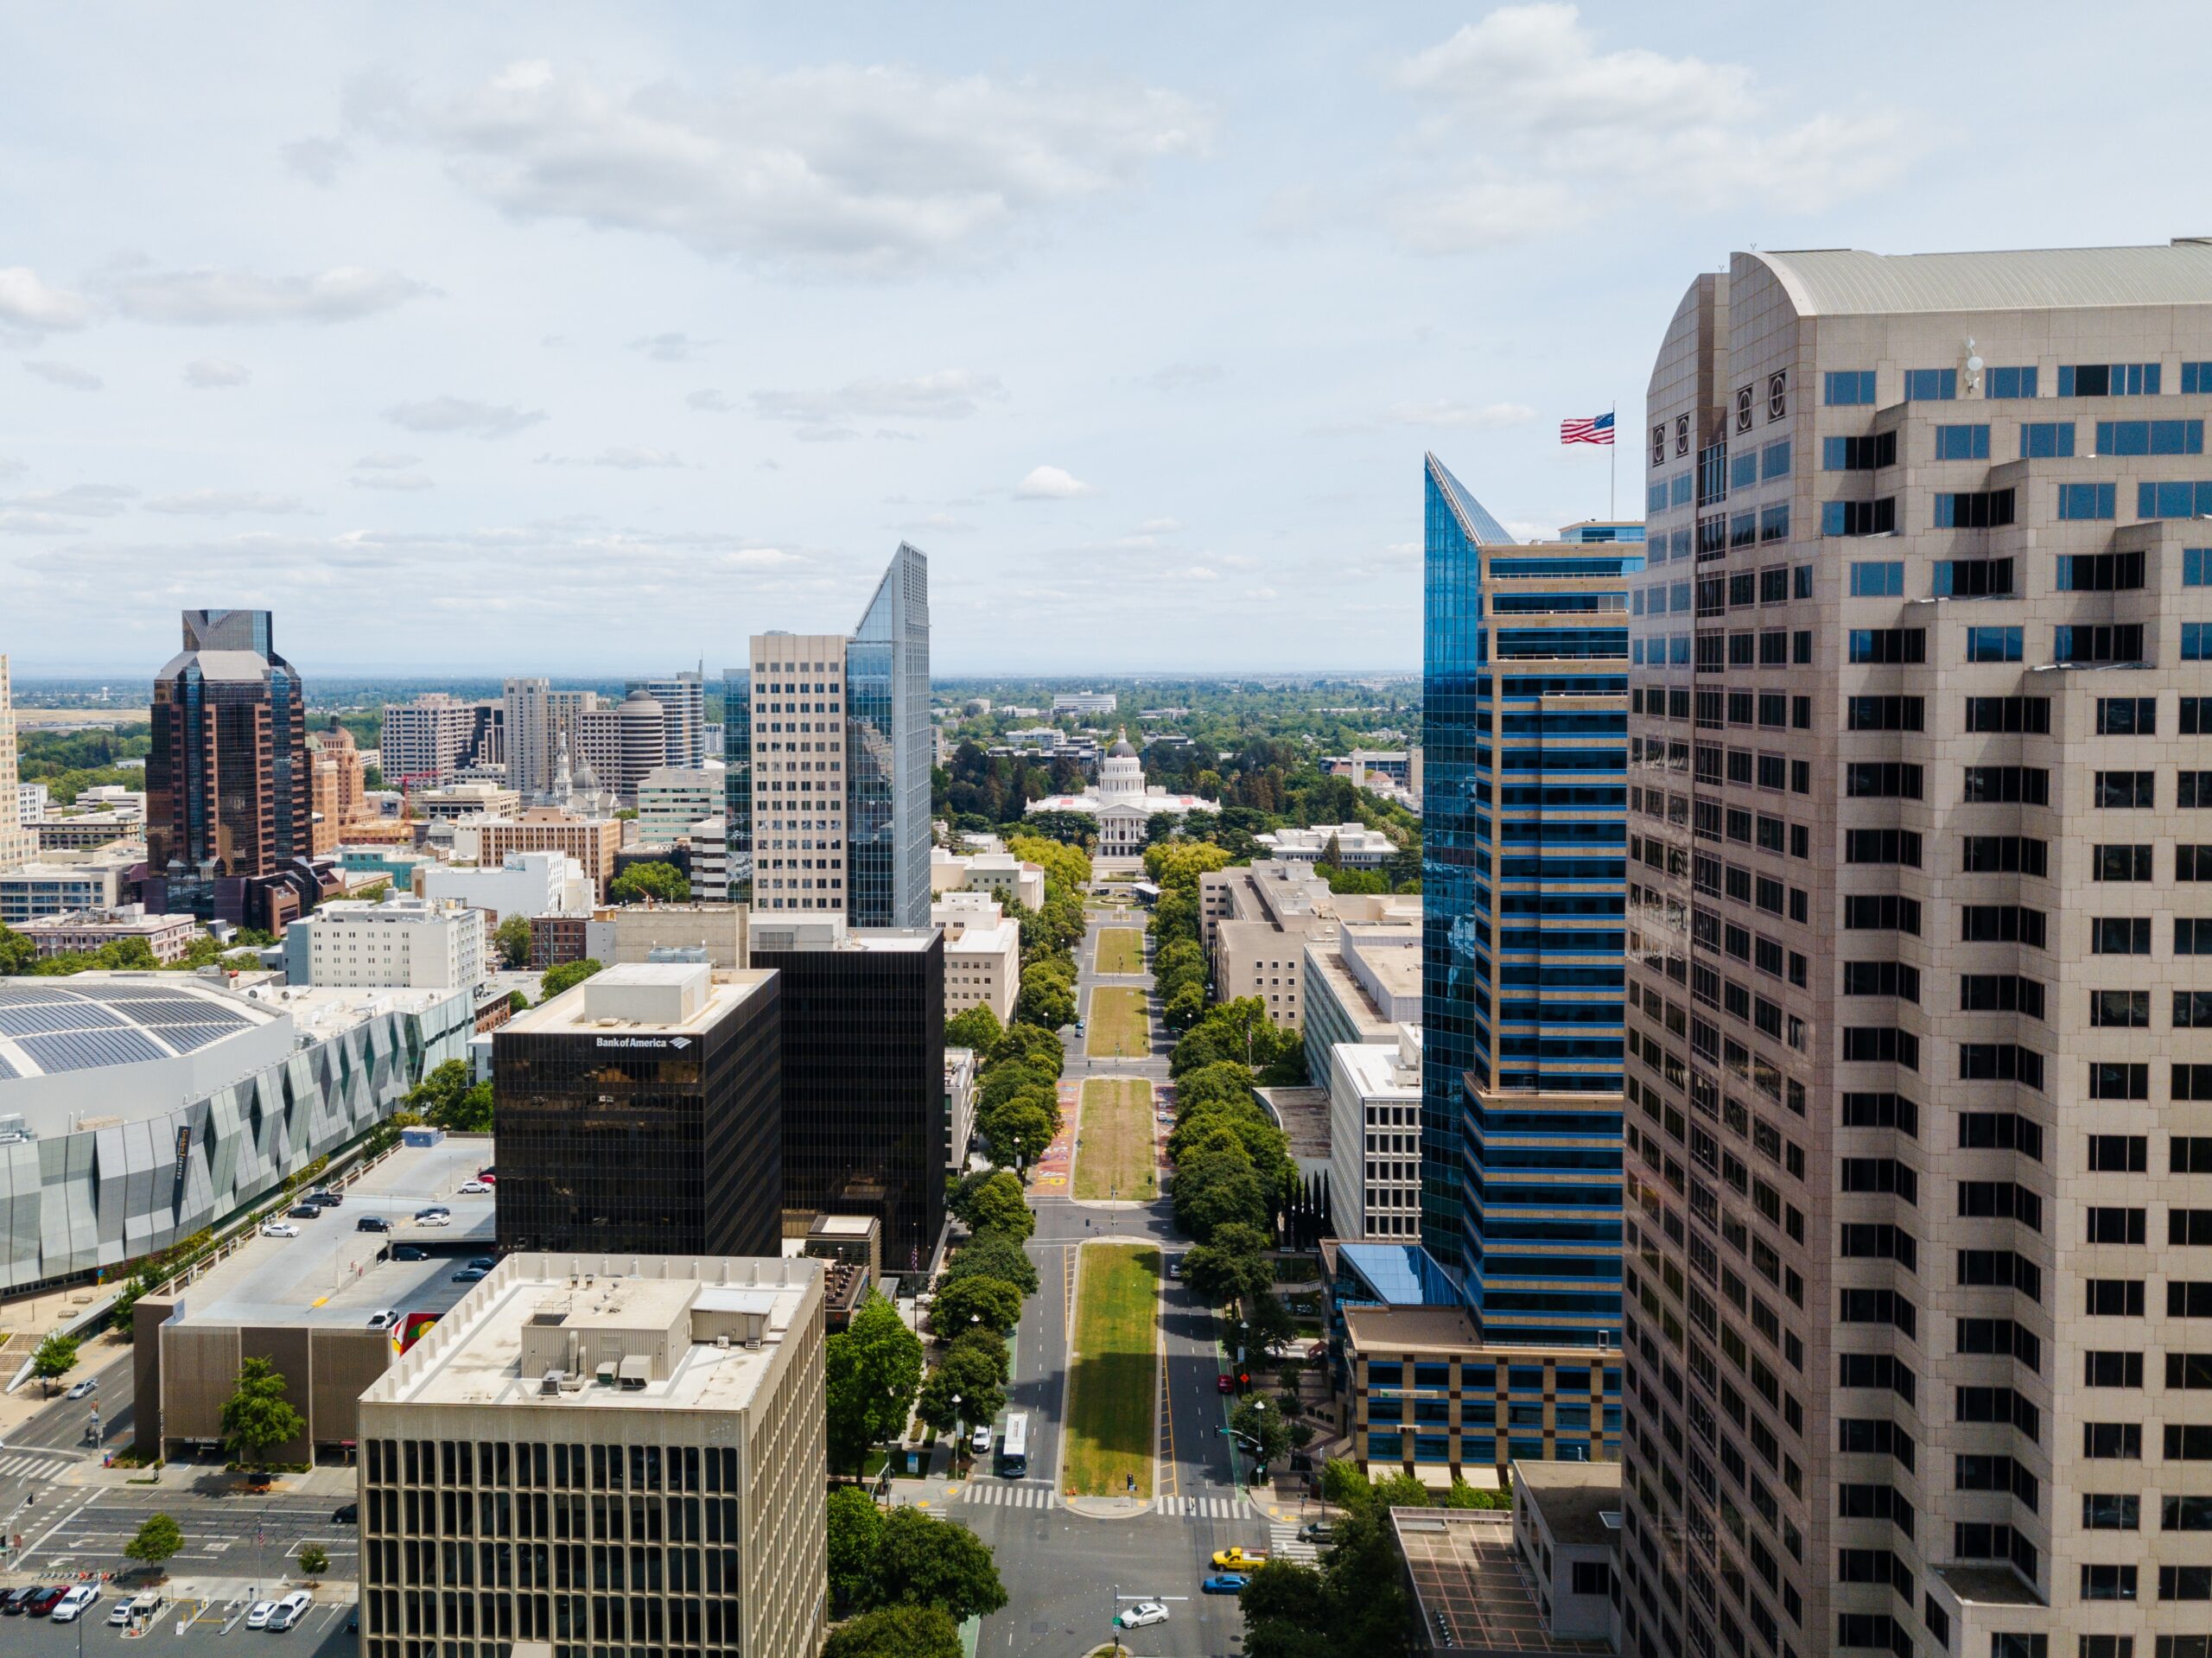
(349, 1515)
(1144, 1612)
(12, 1603)
(327, 1198)
(278, 1230)
(1224, 1383)
(373, 1223)
(72, 1606)
(475, 1188)
(1234, 1558)
(290, 1610)
(384, 1320)
(304, 1212)
(487, 1174)
(980, 1441)
(440, 1218)
(1225, 1583)
(89, 1386)
(125, 1609)
(432, 1209)
(1174, 1266)
(410, 1251)
(257, 1616)
(470, 1276)
(485, 1261)
(45, 1600)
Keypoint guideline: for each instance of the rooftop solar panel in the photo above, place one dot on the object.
(24, 996)
(72, 1016)
(89, 1050)
(113, 992)
(181, 1010)
(186, 1037)
(6, 1069)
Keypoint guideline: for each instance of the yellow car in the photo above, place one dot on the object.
(1238, 1559)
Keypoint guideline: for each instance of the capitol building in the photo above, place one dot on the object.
(1122, 802)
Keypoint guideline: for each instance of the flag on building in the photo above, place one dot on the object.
(1596, 429)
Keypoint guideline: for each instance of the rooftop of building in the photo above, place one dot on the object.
(1990, 1585)
(399, 908)
(1581, 1501)
(1471, 1587)
(674, 1332)
(128, 917)
(1302, 1114)
(1376, 1070)
(985, 938)
(1852, 282)
(672, 998)
(1412, 1329)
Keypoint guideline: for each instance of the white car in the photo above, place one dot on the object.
(980, 1442)
(72, 1606)
(382, 1320)
(257, 1616)
(123, 1608)
(433, 1220)
(279, 1230)
(475, 1188)
(290, 1610)
(1144, 1612)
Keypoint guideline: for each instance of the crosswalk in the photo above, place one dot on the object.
(1283, 1543)
(24, 1466)
(1200, 1508)
(1037, 1494)
(1023, 1494)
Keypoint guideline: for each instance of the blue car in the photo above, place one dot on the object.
(1225, 1583)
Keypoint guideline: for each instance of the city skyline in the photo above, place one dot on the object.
(1132, 322)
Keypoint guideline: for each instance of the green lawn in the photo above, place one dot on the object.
(1121, 949)
(1113, 1150)
(1117, 1028)
(1114, 1391)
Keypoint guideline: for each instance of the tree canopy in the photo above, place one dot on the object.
(511, 939)
(257, 1419)
(156, 1541)
(856, 1528)
(896, 1632)
(996, 1303)
(922, 1560)
(873, 1369)
(449, 1098)
(569, 975)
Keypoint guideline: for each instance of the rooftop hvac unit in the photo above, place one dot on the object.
(548, 1385)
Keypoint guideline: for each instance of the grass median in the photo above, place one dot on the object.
(1121, 949)
(1114, 1156)
(1117, 1028)
(1113, 1388)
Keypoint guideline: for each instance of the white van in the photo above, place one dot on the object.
(290, 1610)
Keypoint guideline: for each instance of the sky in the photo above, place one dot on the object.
(579, 339)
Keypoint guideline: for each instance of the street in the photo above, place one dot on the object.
(59, 1437)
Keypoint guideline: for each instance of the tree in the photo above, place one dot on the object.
(258, 1418)
(975, 1375)
(156, 1542)
(1216, 1185)
(924, 1561)
(1282, 1593)
(1263, 1432)
(314, 1561)
(994, 1301)
(1045, 999)
(873, 1369)
(1232, 1266)
(660, 883)
(896, 1632)
(988, 1345)
(995, 1254)
(1020, 1130)
(567, 976)
(17, 954)
(55, 1356)
(1268, 1323)
(511, 939)
(976, 1028)
(449, 1098)
(998, 1205)
(375, 892)
(855, 1529)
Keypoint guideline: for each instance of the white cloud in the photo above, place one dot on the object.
(1558, 133)
(68, 374)
(1262, 593)
(395, 480)
(621, 459)
(28, 302)
(386, 460)
(944, 523)
(1159, 527)
(211, 297)
(80, 501)
(1487, 417)
(1052, 484)
(1183, 377)
(669, 347)
(949, 394)
(857, 168)
(1190, 573)
(208, 373)
(462, 414)
(224, 502)
(709, 401)
(34, 524)
(317, 159)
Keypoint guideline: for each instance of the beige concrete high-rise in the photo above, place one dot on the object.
(1920, 961)
(15, 842)
(799, 825)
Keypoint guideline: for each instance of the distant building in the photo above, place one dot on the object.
(592, 841)
(621, 744)
(631, 932)
(454, 801)
(1000, 874)
(671, 799)
(416, 943)
(1356, 846)
(426, 741)
(19, 801)
(526, 884)
(1123, 806)
(1359, 986)
(1085, 702)
(88, 931)
(82, 831)
(94, 881)
(983, 954)
(682, 699)
(711, 860)
(640, 1110)
(662, 1385)
(1374, 1139)
(339, 787)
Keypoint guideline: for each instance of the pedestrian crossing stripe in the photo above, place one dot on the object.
(1284, 1543)
(1011, 1497)
(38, 1467)
(1201, 1507)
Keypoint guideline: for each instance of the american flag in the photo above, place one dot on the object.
(1594, 428)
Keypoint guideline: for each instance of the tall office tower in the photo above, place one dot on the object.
(228, 792)
(865, 1125)
(15, 842)
(527, 713)
(622, 743)
(682, 699)
(799, 774)
(887, 710)
(644, 1104)
(1925, 652)
(737, 781)
(1524, 701)
(426, 741)
(583, 1395)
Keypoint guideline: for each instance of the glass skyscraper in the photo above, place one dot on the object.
(887, 750)
(1524, 732)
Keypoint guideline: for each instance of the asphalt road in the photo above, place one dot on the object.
(1062, 1570)
(225, 1536)
(36, 1453)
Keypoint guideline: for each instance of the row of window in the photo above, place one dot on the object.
(2039, 441)
(1845, 388)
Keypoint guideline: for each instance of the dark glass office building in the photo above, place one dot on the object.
(865, 1122)
(640, 1113)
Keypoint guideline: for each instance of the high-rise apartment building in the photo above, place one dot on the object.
(527, 713)
(683, 698)
(427, 741)
(1922, 647)
(594, 1454)
(16, 842)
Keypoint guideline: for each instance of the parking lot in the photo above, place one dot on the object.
(321, 1633)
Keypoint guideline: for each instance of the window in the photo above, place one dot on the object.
(2193, 1010)
(1881, 846)
(2197, 566)
(2108, 380)
(2118, 1080)
(2121, 643)
(2124, 789)
(2192, 937)
(2128, 716)
(2112, 1298)
(1774, 459)
(1931, 385)
(2109, 1582)
(1865, 517)
(1889, 646)
(1972, 578)
(2100, 572)
(2047, 440)
(1847, 386)
(2000, 992)
(2006, 785)
(1882, 780)
(1881, 912)
(2119, 936)
(2193, 789)
(2149, 437)
(1883, 714)
(1998, 715)
(2000, 924)
(2192, 1082)
(2000, 1062)
(2010, 383)
(1977, 509)
(2181, 500)
(2087, 501)
(1878, 579)
(2120, 1010)
(1993, 643)
(1962, 443)
(1868, 453)
(2195, 647)
(2193, 863)
(2004, 854)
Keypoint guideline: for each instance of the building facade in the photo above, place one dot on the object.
(529, 884)
(1375, 1138)
(426, 741)
(1926, 654)
(96, 881)
(982, 955)
(671, 799)
(592, 841)
(15, 843)
(643, 1105)
(887, 711)
(167, 936)
(1122, 804)
(682, 699)
(637, 1447)
(416, 943)
(526, 714)
(799, 778)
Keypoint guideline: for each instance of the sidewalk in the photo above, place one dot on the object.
(210, 1479)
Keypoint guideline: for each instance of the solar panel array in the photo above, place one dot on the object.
(33, 1021)
(89, 1050)
(67, 1029)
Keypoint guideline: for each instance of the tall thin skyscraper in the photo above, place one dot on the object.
(14, 839)
(737, 778)
(530, 737)
(1919, 743)
(888, 707)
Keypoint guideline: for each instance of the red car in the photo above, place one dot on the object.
(46, 1600)
(487, 1174)
(1224, 1384)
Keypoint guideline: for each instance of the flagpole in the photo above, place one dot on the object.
(1613, 478)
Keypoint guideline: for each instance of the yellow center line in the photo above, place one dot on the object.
(1173, 1481)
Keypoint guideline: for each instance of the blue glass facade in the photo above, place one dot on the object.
(888, 749)
(1524, 730)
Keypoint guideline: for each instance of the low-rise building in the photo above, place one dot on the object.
(1473, 1595)
(1375, 1138)
(1349, 845)
(672, 798)
(592, 841)
(417, 943)
(366, 865)
(632, 932)
(983, 954)
(1359, 986)
(1567, 1527)
(521, 883)
(960, 1072)
(454, 801)
(58, 886)
(86, 930)
(672, 1391)
(710, 858)
(1084, 701)
(999, 873)
(83, 831)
